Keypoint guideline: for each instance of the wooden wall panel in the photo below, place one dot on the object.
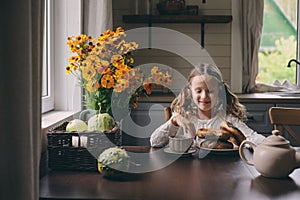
(217, 37)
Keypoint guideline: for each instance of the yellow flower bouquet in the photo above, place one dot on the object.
(104, 66)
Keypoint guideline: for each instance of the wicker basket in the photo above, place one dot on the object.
(78, 150)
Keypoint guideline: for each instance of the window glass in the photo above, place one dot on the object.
(45, 92)
(279, 42)
(63, 18)
(47, 85)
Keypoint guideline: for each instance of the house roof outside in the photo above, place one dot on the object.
(276, 24)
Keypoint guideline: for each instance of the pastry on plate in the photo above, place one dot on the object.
(227, 137)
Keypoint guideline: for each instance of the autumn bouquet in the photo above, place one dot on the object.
(104, 67)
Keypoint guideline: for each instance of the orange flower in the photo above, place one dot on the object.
(119, 30)
(134, 105)
(154, 71)
(104, 64)
(161, 78)
(148, 85)
(130, 61)
(88, 72)
(121, 85)
(93, 61)
(69, 68)
(92, 86)
(107, 81)
(121, 73)
(117, 60)
(101, 51)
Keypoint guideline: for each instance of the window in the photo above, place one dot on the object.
(279, 42)
(47, 87)
(60, 92)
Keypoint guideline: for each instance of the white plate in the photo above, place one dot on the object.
(190, 151)
(219, 150)
(198, 145)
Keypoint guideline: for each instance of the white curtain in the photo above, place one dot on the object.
(20, 92)
(97, 16)
(252, 16)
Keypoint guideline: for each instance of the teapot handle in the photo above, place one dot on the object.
(241, 151)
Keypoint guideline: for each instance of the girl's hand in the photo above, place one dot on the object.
(187, 125)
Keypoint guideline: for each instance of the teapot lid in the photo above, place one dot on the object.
(275, 140)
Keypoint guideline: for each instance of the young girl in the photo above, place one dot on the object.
(205, 102)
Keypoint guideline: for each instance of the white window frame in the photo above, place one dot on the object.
(66, 20)
(236, 48)
(48, 101)
(298, 43)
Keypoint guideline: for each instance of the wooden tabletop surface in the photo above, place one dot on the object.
(164, 175)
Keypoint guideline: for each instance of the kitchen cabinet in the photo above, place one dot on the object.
(143, 120)
(259, 120)
(258, 117)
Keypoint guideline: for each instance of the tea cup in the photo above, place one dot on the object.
(180, 143)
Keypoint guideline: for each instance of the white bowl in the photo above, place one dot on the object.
(180, 143)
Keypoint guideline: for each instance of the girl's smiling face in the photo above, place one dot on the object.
(205, 93)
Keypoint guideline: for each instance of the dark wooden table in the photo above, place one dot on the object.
(216, 176)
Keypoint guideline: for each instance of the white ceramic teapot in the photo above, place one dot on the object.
(274, 157)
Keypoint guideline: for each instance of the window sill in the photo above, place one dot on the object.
(53, 118)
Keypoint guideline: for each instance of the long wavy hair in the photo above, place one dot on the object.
(228, 101)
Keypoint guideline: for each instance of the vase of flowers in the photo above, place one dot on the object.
(105, 70)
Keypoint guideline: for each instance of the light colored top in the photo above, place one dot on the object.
(160, 137)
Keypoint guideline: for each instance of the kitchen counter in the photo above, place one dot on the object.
(268, 97)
